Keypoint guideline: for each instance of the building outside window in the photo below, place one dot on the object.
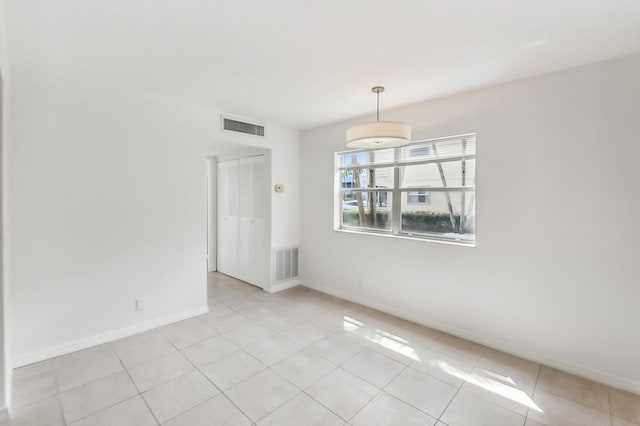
(423, 190)
(418, 197)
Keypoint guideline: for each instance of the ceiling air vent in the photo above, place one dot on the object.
(232, 125)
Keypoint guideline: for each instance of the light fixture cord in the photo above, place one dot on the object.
(378, 106)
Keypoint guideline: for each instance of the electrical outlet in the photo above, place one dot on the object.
(141, 304)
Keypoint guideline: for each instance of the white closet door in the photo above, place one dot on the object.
(227, 250)
(244, 219)
(242, 211)
(251, 222)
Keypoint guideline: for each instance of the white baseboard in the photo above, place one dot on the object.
(285, 285)
(76, 345)
(560, 364)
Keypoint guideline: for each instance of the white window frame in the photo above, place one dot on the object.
(396, 194)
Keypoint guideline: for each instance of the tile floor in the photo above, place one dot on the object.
(304, 358)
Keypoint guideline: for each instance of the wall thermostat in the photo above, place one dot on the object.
(279, 187)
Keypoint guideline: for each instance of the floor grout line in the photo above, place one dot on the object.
(137, 388)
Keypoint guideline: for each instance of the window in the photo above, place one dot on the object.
(423, 190)
(418, 197)
(419, 151)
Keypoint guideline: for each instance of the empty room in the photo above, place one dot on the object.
(290, 213)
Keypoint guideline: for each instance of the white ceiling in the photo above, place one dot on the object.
(305, 63)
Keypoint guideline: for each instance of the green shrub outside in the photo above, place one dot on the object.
(418, 221)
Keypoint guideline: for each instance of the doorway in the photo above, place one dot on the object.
(238, 213)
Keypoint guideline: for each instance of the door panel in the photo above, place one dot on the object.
(242, 211)
(227, 217)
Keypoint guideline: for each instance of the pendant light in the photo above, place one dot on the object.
(381, 134)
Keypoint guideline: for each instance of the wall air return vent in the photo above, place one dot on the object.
(285, 263)
(235, 125)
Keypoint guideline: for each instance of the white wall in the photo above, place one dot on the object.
(5, 371)
(108, 200)
(108, 203)
(554, 276)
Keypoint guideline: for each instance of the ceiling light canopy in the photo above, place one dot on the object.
(381, 134)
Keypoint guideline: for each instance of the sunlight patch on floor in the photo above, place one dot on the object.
(394, 343)
(504, 387)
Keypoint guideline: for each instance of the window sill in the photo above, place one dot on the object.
(407, 237)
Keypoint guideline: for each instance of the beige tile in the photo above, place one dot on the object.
(153, 373)
(248, 334)
(530, 422)
(342, 392)
(391, 345)
(422, 391)
(353, 310)
(500, 391)
(625, 405)
(467, 409)
(279, 322)
(257, 313)
(383, 321)
(417, 336)
(355, 330)
(459, 348)
(248, 301)
(95, 396)
(273, 349)
(142, 347)
(443, 366)
(33, 383)
(188, 332)
(217, 311)
(132, 412)
(304, 368)
(233, 369)
(227, 321)
(373, 367)
(558, 411)
(386, 410)
(335, 348)
(621, 422)
(582, 391)
(218, 411)
(301, 410)
(512, 368)
(305, 309)
(261, 394)
(306, 333)
(85, 366)
(179, 395)
(209, 350)
(45, 412)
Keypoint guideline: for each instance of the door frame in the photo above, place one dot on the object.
(242, 152)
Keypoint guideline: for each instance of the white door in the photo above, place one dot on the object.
(227, 194)
(241, 227)
(251, 221)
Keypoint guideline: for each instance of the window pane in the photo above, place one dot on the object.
(428, 175)
(367, 209)
(365, 158)
(367, 178)
(435, 218)
(418, 197)
(438, 149)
